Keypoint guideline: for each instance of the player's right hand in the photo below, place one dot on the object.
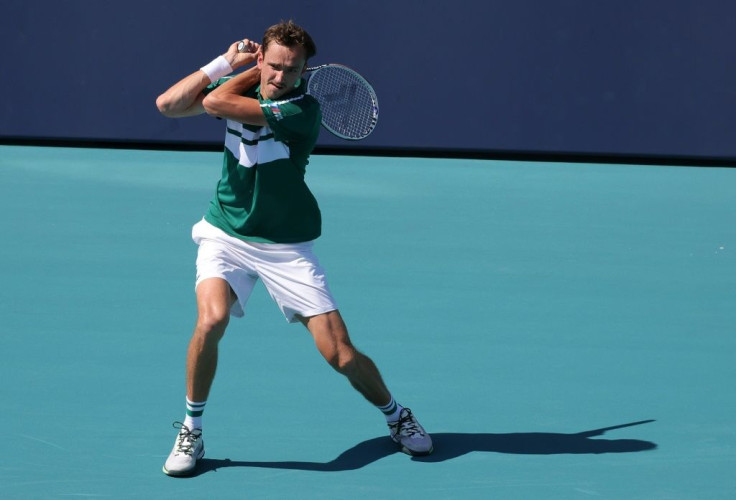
(242, 52)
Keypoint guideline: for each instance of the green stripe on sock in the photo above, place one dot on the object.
(389, 408)
(195, 409)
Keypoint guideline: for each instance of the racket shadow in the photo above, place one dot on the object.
(450, 445)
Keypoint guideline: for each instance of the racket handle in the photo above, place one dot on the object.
(242, 47)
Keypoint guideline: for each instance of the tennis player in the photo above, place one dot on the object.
(261, 224)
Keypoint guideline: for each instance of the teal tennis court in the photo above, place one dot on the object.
(563, 330)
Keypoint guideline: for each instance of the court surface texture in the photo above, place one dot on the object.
(562, 330)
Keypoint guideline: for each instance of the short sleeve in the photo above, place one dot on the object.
(293, 119)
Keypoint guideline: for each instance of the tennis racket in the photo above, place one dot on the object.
(349, 103)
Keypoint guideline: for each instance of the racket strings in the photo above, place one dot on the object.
(349, 107)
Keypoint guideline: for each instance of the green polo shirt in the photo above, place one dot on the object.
(262, 195)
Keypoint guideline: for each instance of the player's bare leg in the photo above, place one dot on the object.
(214, 298)
(333, 342)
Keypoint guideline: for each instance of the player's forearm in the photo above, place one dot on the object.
(184, 98)
(227, 100)
(239, 84)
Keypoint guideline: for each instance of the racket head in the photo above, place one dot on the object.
(348, 102)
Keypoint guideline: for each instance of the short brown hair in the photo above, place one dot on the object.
(289, 34)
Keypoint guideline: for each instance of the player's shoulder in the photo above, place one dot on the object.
(301, 98)
(295, 104)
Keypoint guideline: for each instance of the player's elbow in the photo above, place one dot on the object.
(165, 106)
(174, 108)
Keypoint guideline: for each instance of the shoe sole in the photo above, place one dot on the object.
(413, 453)
(183, 473)
(406, 450)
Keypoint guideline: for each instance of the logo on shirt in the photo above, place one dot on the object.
(276, 111)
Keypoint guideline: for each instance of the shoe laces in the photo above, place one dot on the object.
(186, 439)
(407, 425)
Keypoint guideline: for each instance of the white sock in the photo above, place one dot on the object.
(391, 411)
(193, 418)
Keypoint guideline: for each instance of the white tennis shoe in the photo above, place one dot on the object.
(188, 448)
(411, 436)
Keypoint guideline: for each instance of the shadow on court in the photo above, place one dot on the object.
(449, 445)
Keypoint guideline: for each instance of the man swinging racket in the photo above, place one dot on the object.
(261, 224)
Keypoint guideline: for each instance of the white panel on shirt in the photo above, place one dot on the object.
(251, 150)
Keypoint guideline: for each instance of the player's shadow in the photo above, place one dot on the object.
(449, 445)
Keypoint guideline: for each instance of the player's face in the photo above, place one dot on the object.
(281, 69)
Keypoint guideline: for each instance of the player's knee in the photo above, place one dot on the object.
(343, 360)
(212, 324)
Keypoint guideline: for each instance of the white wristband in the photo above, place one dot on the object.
(217, 68)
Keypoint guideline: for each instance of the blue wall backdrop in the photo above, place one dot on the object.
(637, 78)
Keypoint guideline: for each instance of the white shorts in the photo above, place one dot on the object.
(291, 272)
